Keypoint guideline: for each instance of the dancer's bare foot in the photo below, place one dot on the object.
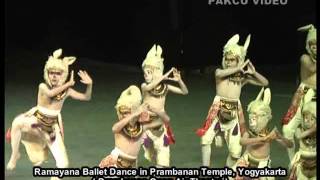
(13, 162)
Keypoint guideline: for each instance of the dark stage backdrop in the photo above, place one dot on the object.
(192, 33)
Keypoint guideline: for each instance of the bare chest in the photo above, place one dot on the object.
(128, 145)
(259, 150)
(155, 101)
(229, 89)
(54, 103)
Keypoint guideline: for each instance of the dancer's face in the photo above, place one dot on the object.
(230, 61)
(309, 119)
(148, 74)
(313, 48)
(258, 120)
(124, 111)
(55, 76)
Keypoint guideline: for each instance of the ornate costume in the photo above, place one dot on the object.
(50, 134)
(128, 102)
(304, 163)
(119, 159)
(156, 144)
(259, 116)
(292, 119)
(223, 117)
(225, 114)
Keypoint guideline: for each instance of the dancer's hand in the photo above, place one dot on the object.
(251, 69)
(85, 78)
(71, 80)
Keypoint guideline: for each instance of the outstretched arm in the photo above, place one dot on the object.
(44, 89)
(154, 83)
(283, 141)
(85, 79)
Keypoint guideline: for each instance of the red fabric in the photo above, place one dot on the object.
(243, 129)
(108, 161)
(61, 131)
(211, 115)
(242, 124)
(290, 114)
(170, 133)
(241, 163)
(294, 106)
(8, 135)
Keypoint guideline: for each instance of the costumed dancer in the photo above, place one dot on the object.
(225, 116)
(257, 139)
(41, 129)
(154, 92)
(130, 128)
(308, 75)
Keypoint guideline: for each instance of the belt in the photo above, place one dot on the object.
(123, 162)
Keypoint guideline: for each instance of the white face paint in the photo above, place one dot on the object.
(309, 119)
(148, 74)
(313, 48)
(258, 120)
(55, 77)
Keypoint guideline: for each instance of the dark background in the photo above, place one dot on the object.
(192, 33)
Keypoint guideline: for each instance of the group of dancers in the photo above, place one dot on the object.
(143, 121)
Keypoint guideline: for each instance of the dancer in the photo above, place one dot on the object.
(308, 74)
(304, 164)
(154, 91)
(225, 116)
(258, 138)
(129, 131)
(40, 129)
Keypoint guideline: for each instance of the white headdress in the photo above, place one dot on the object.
(154, 58)
(260, 104)
(312, 35)
(130, 99)
(234, 48)
(58, 63)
